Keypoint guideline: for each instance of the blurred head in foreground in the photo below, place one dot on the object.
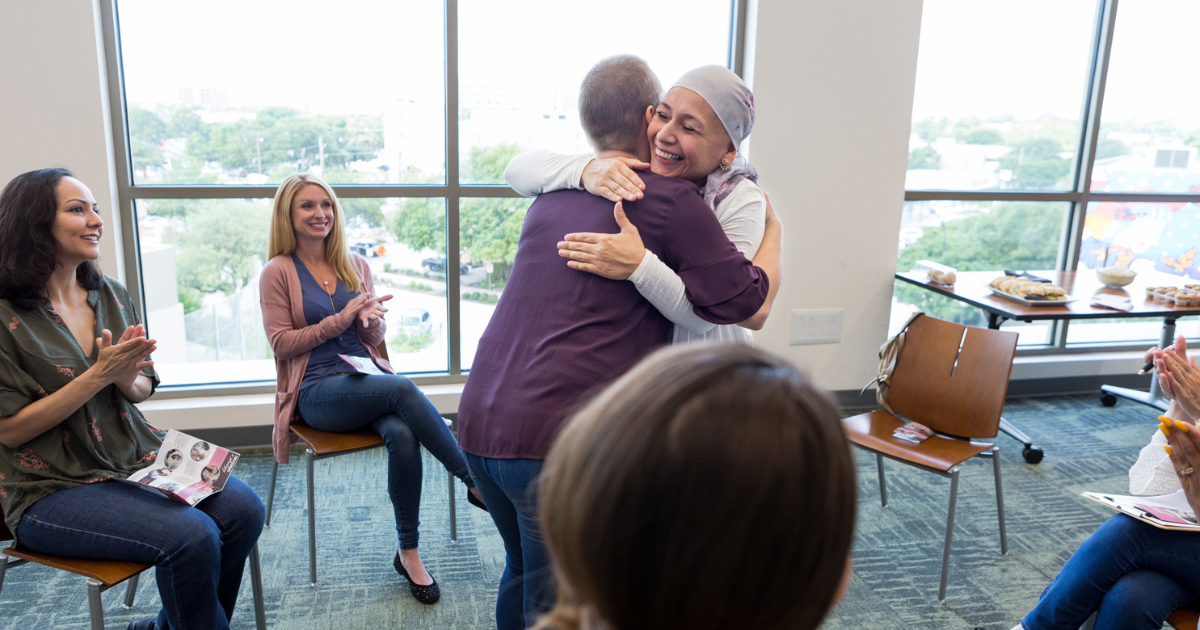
(711, 487)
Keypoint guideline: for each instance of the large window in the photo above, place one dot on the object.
(410, 109)
(1053, 136)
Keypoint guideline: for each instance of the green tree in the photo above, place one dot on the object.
(924, 157)
(1037, 163)
(984, 135)
(1111, 148)
(488, 227)
(146, 132)
(1012, 235)
(218, 250)
(930, 128)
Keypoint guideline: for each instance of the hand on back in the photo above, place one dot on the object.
(614, 178)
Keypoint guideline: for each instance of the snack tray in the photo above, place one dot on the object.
(1067, 299)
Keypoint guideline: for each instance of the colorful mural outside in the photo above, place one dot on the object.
(1144, 235)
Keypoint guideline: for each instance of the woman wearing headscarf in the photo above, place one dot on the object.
(694, 134)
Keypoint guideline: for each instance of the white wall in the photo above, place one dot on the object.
(833, 84)
(54, 112)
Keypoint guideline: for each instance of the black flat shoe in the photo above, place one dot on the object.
(142, 624)
(473, 500)
(427, 594)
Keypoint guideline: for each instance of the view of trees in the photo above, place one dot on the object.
(1012, 235)
(286, 141)
(488, 228)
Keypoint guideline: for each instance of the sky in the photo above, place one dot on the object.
(302, 54)
(1030, 58)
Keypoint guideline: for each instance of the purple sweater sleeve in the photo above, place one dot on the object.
(722, 285)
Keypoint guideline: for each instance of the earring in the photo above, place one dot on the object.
(724, 166)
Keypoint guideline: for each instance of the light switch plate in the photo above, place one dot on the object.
(816, 326)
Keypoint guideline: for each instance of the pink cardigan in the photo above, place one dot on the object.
(293, 340)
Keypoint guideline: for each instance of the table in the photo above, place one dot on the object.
(972, 288)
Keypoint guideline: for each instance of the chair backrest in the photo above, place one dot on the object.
(953, 378)
(382, 348)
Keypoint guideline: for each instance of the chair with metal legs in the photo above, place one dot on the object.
(323, 445)
(953, 379)
(104, 574)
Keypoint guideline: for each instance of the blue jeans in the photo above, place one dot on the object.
(394, 408)
(1132, 574)
(509, 490)
(199, 553)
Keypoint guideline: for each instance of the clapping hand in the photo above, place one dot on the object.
(120, 363)
(1178, 376)
(364, 307)
(1184, 449)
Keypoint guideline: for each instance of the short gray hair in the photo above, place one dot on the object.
(613, 99)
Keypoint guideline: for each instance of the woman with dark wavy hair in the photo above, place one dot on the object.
(710, 488)
(74, 360)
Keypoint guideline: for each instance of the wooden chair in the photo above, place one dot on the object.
(1185, 618)
(104, 574)
(323, 445)
(953, 379)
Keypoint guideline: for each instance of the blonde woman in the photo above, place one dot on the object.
(318, 302)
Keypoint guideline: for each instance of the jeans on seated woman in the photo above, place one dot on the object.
(199, 553)
(392, 406)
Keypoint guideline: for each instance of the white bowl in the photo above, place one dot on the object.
(1115, 277)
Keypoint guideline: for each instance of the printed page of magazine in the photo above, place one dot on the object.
(1164, 511)
(186, 469)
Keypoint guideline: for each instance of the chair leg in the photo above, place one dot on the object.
(271, 493)
(95, 604)
(882, 481)
(949, 536)
(312, 520)
(130, 592)
(453, 514)
(1000, 500)
(260, 614)
(4, 560)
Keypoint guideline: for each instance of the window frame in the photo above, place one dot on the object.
(452, 191)
(1079, 196)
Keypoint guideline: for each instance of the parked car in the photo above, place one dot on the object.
(414, 321)
(368, 249)
(438, 265)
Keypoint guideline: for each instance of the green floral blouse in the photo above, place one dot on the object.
(106, 438)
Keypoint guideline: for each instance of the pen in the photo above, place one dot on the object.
(1146, 368)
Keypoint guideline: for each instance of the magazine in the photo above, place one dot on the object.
(913, 432)
(363, 365)
(1165, 511)
(186, 469)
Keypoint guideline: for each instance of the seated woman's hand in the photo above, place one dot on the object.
(365, 308)
(120, 363)
(613, 178)
(613, 256)
(1184, 449)
(1179, 378)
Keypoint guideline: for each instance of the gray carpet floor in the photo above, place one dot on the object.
(897, 550)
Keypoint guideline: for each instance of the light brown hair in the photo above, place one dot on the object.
(613, 99)
(283, 236)
(710, 488)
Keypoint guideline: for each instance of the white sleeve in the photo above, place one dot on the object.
(535, 172)
(743, 217)
(1153, 472)
(663, 288)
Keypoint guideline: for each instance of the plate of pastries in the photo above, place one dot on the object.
(1029, 292)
